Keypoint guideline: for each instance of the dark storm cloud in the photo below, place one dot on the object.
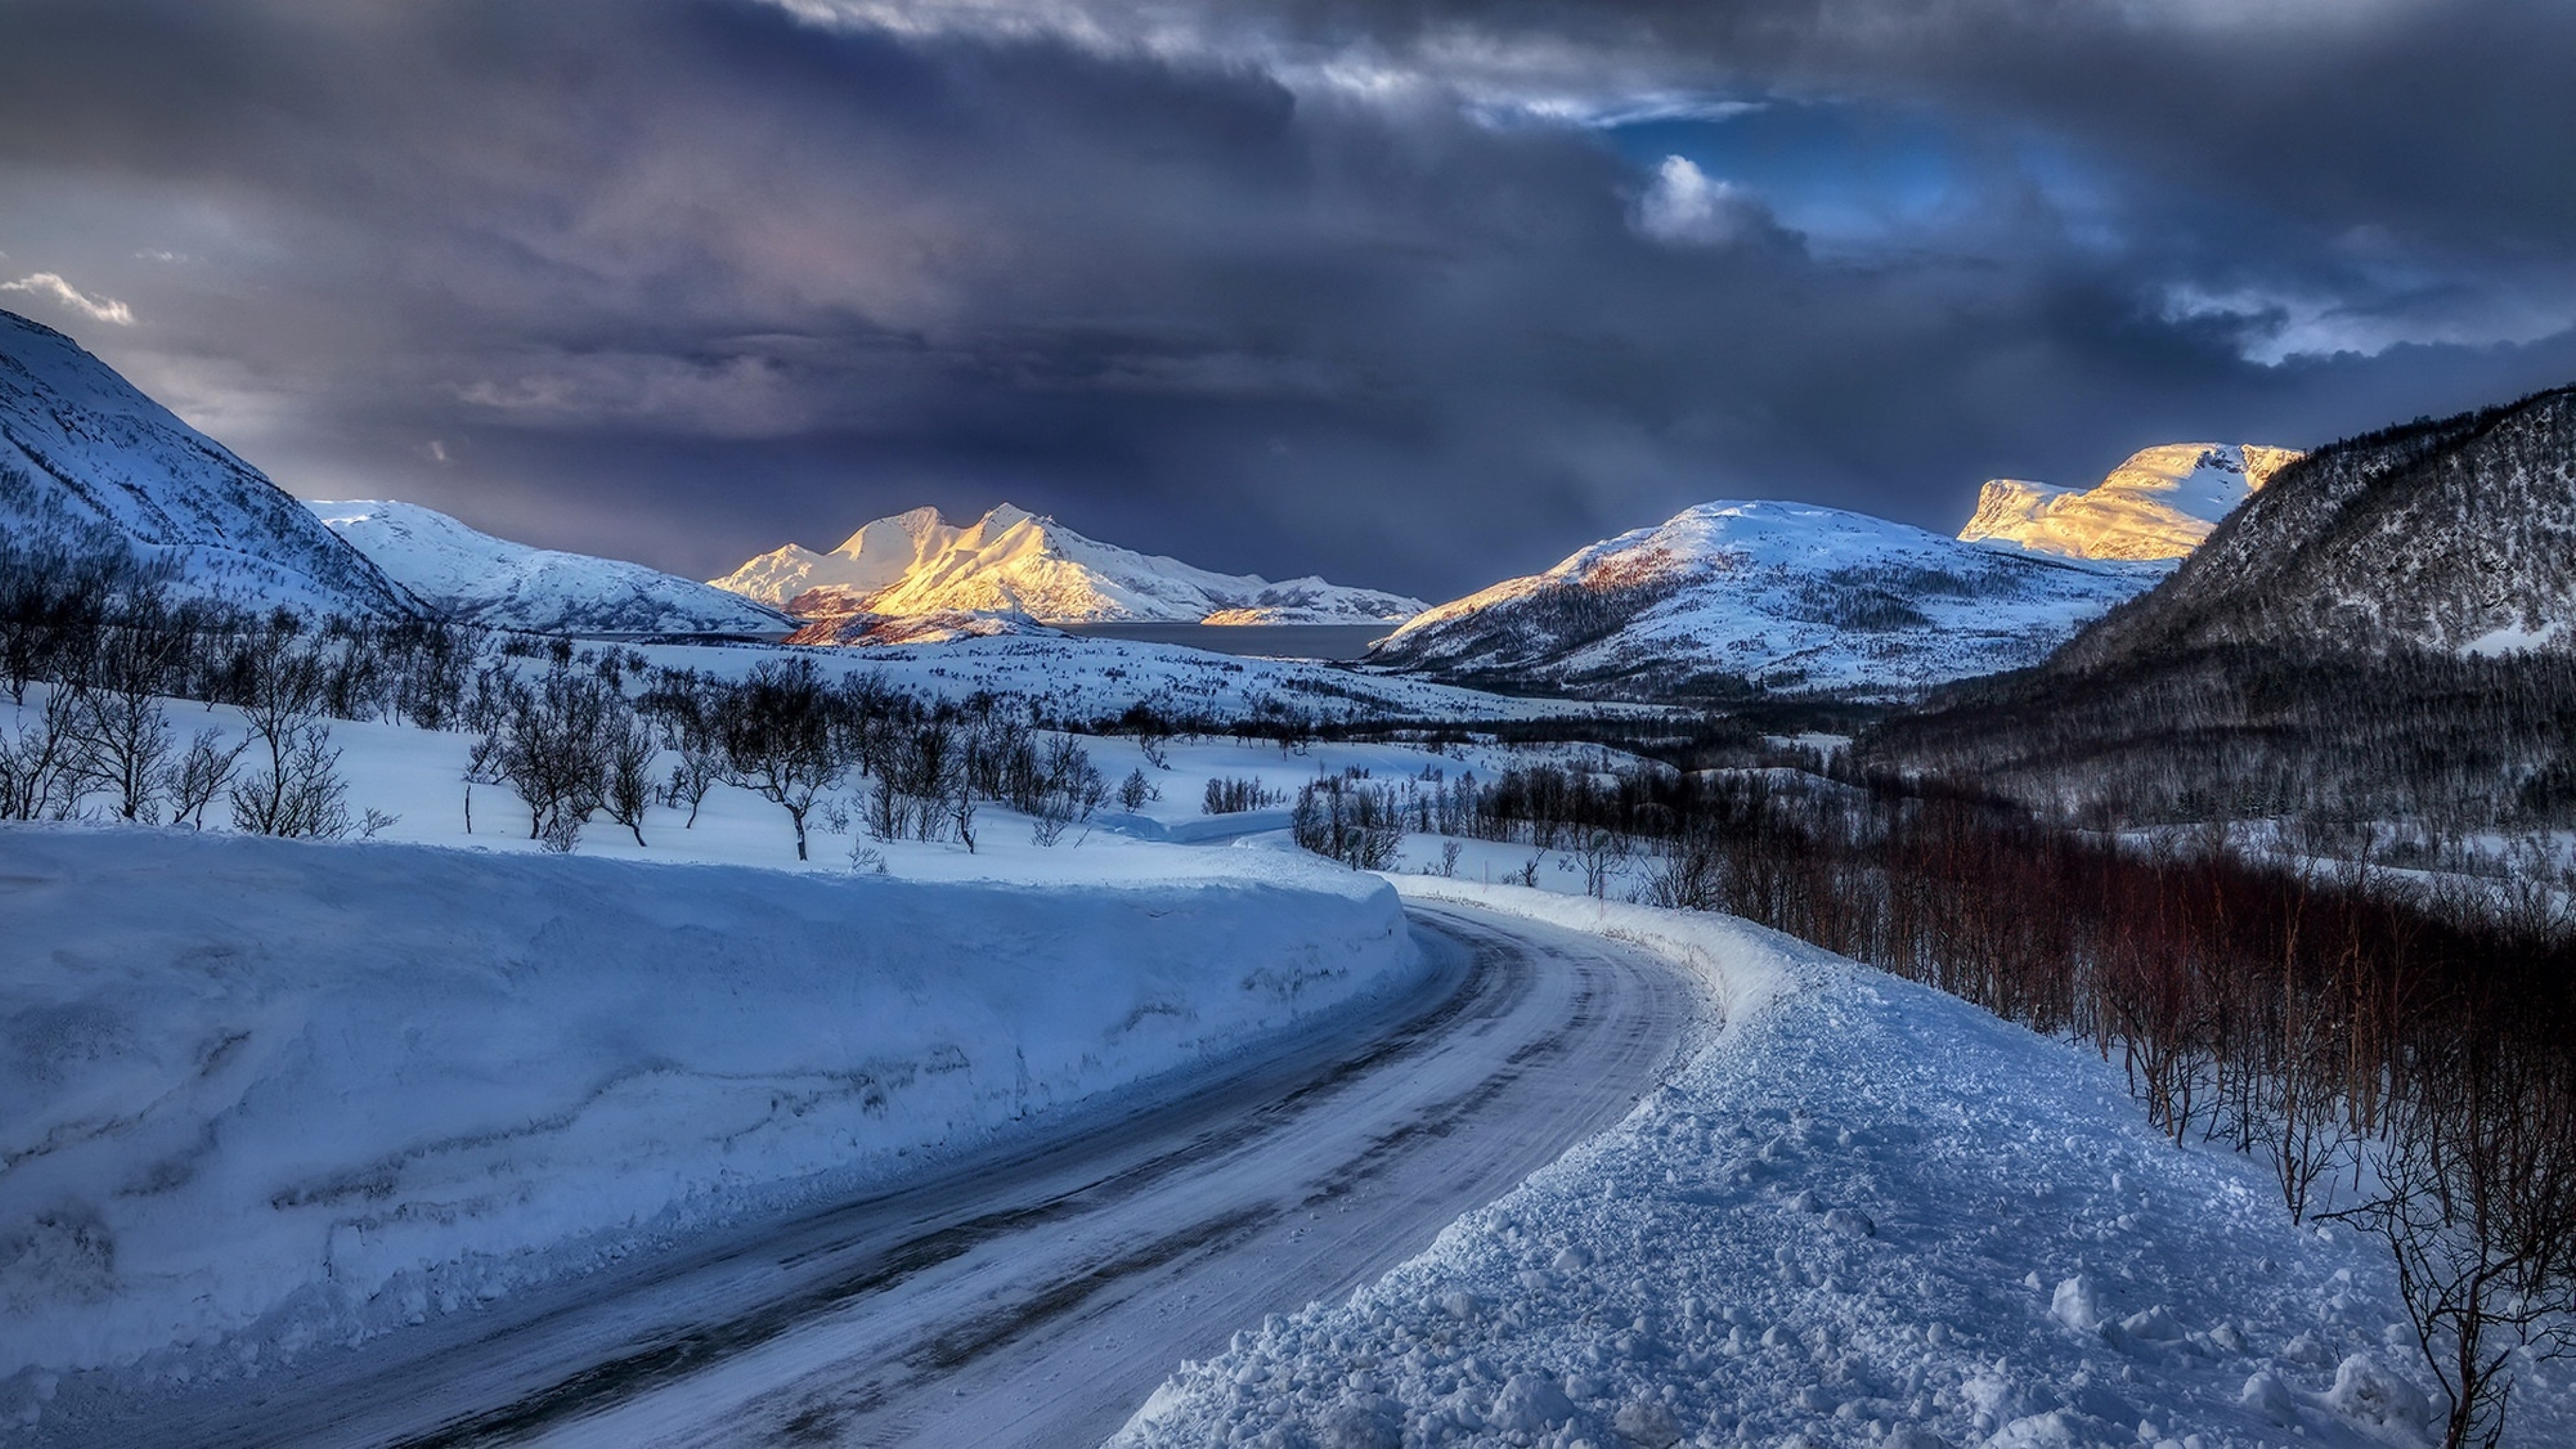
(1365, 290)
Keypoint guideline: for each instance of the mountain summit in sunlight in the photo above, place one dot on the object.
(2159, 504)
(1012, 561)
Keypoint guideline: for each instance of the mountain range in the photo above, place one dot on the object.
(1732, 599)
(1724, 599)
(1014, 562)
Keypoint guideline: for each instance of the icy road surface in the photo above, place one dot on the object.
(1037, 1298)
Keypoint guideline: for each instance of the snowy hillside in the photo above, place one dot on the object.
(85, 455)
(491, 582)
(1014, 562)
(1859, 1213)
(2159, 504)
(1729, 597)
(2456, 535)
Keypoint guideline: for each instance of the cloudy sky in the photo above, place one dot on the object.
(1413, 293)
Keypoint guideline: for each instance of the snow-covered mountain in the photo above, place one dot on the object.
(2457, 536)
(1012, 561)
(86, 458)
(477, 579)
(1730, 597)
(2159, 504)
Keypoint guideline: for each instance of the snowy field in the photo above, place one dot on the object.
(1863, 1214)
(1093, 678)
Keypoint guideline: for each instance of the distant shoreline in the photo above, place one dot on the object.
(1340, 643)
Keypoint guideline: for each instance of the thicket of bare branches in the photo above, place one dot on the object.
(2400, 1049)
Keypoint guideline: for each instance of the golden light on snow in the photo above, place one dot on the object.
(2159, 504)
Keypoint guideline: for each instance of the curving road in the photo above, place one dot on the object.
(1034, 1298)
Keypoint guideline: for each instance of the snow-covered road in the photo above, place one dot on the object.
(1035, 1298)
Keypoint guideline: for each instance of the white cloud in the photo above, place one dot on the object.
(1496, 77)
(1603, 114)
(103, 309)
(1688, 207)
(2274, 326)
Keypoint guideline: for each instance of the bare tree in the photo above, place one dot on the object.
(777, 734)
(2477, 1205)
(554, 747)
(201, 774)
(1599, 853)
(37, 781)
(122, 730)
(1135, 792)
(297, 791)
(630, 775)
(300, 793)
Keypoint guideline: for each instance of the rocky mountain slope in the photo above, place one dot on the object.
(1011, 561)
(2386, 632)
(2160, 504)
(493, 583)
(2456, 536)
(1731, 598)
(88, 462)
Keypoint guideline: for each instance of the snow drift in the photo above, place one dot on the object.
(1859, 1213)
(256, 1093)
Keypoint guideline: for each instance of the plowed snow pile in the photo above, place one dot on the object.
(257, 1094)
(1861, 1213)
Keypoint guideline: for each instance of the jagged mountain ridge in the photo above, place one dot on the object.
(1012, 561)
(1731, 598)
(490, 582)
(86, 457)
(2457, 536)
(2160, 503)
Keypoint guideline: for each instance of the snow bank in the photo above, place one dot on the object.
(256, 1093)
(1860, 1213)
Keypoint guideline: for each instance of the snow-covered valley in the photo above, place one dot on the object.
(942, 1029)
(324, 1132)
